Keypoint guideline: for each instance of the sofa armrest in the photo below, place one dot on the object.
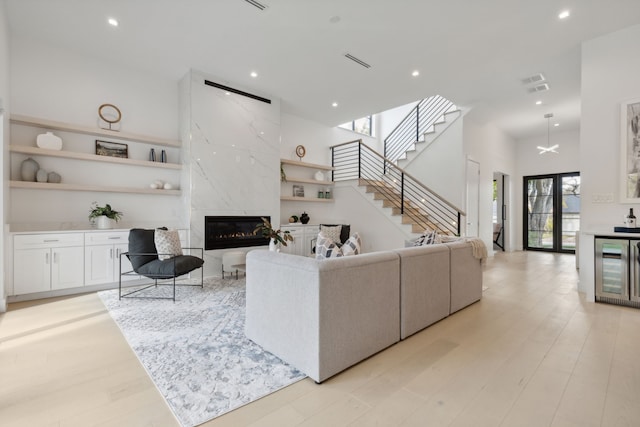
(466, 276)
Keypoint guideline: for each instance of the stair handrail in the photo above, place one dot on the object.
(393, 166)
(421, 117)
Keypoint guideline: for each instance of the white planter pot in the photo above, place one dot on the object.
(105, 223)
(273, 246)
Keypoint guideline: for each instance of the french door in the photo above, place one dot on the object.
(551, 212)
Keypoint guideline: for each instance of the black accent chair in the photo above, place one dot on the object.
(143, 256)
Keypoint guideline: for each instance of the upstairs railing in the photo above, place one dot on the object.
(414, 125)
(356, 160)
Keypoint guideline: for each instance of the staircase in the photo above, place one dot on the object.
(400, 193)
(419, 127)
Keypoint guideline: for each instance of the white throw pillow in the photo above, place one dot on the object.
(332, 232)
(167, 243)
(352, 246)
(327, 248)
(429, 237)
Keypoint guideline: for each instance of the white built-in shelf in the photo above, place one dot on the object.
(91, 188)
(36, 151)
(304, 199)
(306, 165)
(308, 181)
(111, 134)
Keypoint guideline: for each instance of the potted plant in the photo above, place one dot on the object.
(105, 216)
(276, 237)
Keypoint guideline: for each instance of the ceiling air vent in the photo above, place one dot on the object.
(357, 61)
(538, 88)
(533, 79)
(257, 4)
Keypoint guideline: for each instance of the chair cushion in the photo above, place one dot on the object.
(141, 241)
(176, 266)
(332, 232)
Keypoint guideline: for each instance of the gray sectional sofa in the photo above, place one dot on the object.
(323, 316)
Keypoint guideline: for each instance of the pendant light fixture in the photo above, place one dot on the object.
(548, 149)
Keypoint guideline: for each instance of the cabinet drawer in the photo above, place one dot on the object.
(106, 238)
(49, 240)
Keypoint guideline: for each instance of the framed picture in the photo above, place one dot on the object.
(298, 191)
(630, 151)
(112, 149)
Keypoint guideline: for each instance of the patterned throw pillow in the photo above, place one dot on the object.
(429, 237)
(352, 246)
(167, 243)
(327, 248)
(332, 232)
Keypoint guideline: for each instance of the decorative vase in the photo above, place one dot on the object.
(41, 175)
(163, 156)
(49, 141)
(152, 155)
(54, 178)
(304, 218)
(105, 223)
(273, 246)
(29, 169)
(319, 176)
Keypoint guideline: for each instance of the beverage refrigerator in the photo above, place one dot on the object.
(617, 270)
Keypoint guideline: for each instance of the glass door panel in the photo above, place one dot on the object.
(611, 268)
(570, 221)
(540, 225)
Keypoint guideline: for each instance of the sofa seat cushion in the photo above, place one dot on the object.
(170, 268)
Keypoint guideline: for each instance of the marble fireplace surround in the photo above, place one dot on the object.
(231, 150)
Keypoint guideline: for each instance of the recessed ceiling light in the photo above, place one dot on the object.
(416, 73)
(227, 93)
(564, 14)
(334, 105)
(538, 102)
(113, 21)
(254, 74)
(556, 124)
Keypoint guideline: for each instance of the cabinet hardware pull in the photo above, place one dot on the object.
(46, 258)
(114, 238)
(50, 240)
(55, 257)
(111, 253)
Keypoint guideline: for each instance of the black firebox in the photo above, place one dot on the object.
(224, 232)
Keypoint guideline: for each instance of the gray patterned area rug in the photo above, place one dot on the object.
(195, 350)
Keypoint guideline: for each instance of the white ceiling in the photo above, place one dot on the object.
(475, 52)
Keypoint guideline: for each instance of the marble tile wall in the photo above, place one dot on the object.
(232, 155)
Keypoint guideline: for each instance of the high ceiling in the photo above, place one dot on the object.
(476, 53)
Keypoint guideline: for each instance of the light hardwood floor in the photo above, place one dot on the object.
(531, 353)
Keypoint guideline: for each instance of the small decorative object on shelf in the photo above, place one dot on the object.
(112, 149)
(152, 155)
(167, 186)
(300, 151)
(327, 193)
(54, 178)
(163, 156)
(320, 194)
(49, 141)
(110, 114)
(104, 216)
(319, 176)
(298, 191)
(304, 218)
(41, 175)
(630, 219)
(28, 169)
(276, 237)
(293, 218)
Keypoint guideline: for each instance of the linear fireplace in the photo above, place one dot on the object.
(223, 232)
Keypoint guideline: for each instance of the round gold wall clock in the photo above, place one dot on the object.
(300, 151)
(110, 114)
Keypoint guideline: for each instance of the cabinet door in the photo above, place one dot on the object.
(66, 271)
(31, 271)
(126, 264)
(309, 241)
(612, 268)
(99, 264)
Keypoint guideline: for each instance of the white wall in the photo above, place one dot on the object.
(56, 84)
(496, 152)
(4, 140)
(610, 67)
(530, 162)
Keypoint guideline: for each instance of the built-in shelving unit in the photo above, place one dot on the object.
(68, 127)
(51, 125)
(93, 188)
(302, 180)
(36, 151)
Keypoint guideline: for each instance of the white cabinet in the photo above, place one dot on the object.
(102, 257)
(303, 238)
(45, 262)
